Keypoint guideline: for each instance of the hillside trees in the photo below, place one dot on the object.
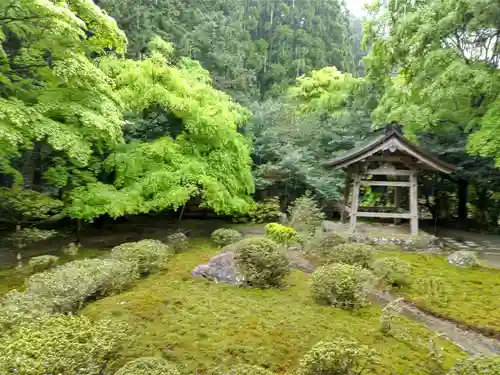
(253, 48)
(438, 62)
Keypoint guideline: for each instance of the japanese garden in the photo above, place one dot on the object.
(249, 187)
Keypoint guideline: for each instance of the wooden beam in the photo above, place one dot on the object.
(414, 203)
(347, 187)
(391, 159)
(385, 215)
(385, 183)
(355, 201)
(387, 172)
(397, 202)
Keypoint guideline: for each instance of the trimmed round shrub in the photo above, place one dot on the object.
(149, 255)
(261, 263)
(177, 241)
(20, 306)
(148, 366)
(322, 244)
(223, 237)
(341, 285)
(281, 234)
(477, 365)
(43, 263)
(67, 287)
(59, 344)
(342, 357)
(394, 271)
(351, 253)
(247, 370)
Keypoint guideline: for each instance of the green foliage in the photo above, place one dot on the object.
(253, 50)
(64, 102)
(59, 344)
(43, 262)
(270, 328)
(449, 294)
(28, 236)
(388, 316)
(265, 211)
(16, 307)
(148, 255)
(351, 253)
(262, 264)
(197, 152)
(247, 370)
(68, 287)
(342, 357)
(22, 204)
(322, 245)
(148, 366)
(393, 270)
(477, 365)
(305, 214)
(177, 241)
(448, 81)
(281, 234)
(223, 237)
(341, 285)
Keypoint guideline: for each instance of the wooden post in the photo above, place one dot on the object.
(414, 202)
(397, 202)
(355, 200)
(347, 189)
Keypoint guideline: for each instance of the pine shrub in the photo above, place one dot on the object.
(149, 255)
(59, 344)
(351, 253)
(148, 366)
(305, 214)
(341, 285)
(43, 263)
(394, 271)
(342, 357)
(477, 365)
(262, 263)
(223, 237)
(68, 287)
(281, 234)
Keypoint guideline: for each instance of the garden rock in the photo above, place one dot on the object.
(463, 258)
(221, 268)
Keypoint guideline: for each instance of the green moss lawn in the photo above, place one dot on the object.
(200, 325)
(467, 295)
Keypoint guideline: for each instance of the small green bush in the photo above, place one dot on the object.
(68, 287)
(305, 214)
(337, 358)
(281, 234)
(341, 285)
(223, 237)
(149, 255)
(43, 263)
(177, 241)
(394, 271)
(20, 306)
(322, 244)
(477, 365)
(351, 253)
(59, 344)
(247, 370)
(148, 366)
(261, 263)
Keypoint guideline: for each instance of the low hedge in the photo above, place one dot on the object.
(149, 255)
(59, 344)
(43, 263)
(68, 287)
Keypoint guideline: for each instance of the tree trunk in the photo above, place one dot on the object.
(463, 189)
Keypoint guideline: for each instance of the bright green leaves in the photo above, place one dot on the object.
(447, 61)
(199, 152)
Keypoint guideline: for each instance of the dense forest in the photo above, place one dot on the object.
(124, 107)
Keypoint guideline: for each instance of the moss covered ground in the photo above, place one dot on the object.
(200, 325)
(470, 296)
